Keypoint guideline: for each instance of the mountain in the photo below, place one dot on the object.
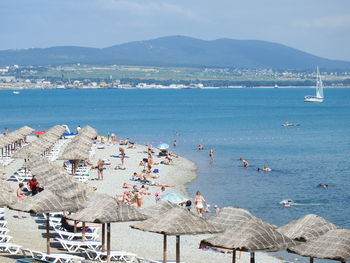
(177, 51)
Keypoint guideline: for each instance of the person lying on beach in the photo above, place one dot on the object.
(167, 161)
(118, 167)
(131, 186)
(144, 190)
(161, 185)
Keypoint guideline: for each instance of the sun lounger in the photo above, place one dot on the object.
(144, 260)
(3, 223)
(4, 230)
(9, 248)
(75, 245)
(54, 257)
(115, 255)
(70, 235)
(5, 238)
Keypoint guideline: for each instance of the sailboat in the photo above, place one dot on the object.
(319, 90)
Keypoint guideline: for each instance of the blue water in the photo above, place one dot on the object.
(236, 123)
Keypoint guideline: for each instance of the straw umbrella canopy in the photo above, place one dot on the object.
(249, 236)
(7, 196)
(104, 209)
(74, 155)
(334, 245)
(230, 216)
(51, 201)
(306, 228)
(160, 208)
(175, 222)
(2, 172)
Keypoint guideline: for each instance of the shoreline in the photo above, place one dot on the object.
(144, 244)
(168, 88)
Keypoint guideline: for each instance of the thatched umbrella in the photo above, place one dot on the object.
(230, 216)
(160, 208)
(175, 222)
(334, 245)
(103, 209)
(50, 202)
(306, 228)
(249, 236)
(75, 156)
(7, 196)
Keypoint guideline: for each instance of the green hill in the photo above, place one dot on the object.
(178, 51)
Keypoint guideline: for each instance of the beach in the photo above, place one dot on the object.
(29, 231)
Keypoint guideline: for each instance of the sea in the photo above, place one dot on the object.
(235, 123)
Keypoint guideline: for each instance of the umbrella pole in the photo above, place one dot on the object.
(47, 233)
(177, 249)
(234, 256)
(252, 257)
(311, 260)
(83, 232)
(108, 242)
(75, 226)
(164, 248)
(103, 237)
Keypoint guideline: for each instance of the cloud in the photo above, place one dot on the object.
(339, 21)
(147, 8)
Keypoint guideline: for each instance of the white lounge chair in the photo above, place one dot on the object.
(79, 235)
(4, 230)
(54, 257)
(3, 223)
(9, 248)
(5, 238)
(95, 254)
(75, 245)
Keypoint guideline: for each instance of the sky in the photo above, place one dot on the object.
(320, 27)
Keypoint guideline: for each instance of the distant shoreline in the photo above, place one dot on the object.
(168, 88)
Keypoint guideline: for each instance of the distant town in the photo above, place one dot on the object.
(78, 76)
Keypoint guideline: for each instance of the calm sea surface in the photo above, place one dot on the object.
(236, 123)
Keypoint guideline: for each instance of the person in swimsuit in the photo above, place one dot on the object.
(20, 196)
(211, 154)
(199, 202)
(99, 167)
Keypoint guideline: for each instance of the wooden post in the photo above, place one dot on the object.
(75, 226)
(103, 237)
(311, 260)
(108, 242)
(164, 248)
(83, 232)
(234, 256)
(47, 233)
(252, 257)
(177, 249)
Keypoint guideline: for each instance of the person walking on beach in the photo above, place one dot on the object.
(122, 155)
(199, 203)
(211, 154)
(99, 168)
(78, 128)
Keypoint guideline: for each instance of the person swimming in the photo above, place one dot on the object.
(325, 186)
(267, 169)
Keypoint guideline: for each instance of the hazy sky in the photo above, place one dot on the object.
(321, 27)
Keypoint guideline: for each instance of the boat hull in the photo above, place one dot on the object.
(313, 99)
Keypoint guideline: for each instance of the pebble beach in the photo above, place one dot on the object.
(29, 231)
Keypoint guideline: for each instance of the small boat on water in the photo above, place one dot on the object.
(319, 90)
(287, 124)
(287, 203)
(15, 92)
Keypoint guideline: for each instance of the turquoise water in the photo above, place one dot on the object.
(236, 123)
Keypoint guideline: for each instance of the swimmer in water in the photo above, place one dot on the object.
(325, 186)
(267, 169)
(245, 163)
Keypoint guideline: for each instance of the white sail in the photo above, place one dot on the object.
(319, 90)
(319, 86)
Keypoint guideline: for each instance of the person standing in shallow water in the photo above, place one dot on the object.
(211, 154)
(199, 203)
(174, 143)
